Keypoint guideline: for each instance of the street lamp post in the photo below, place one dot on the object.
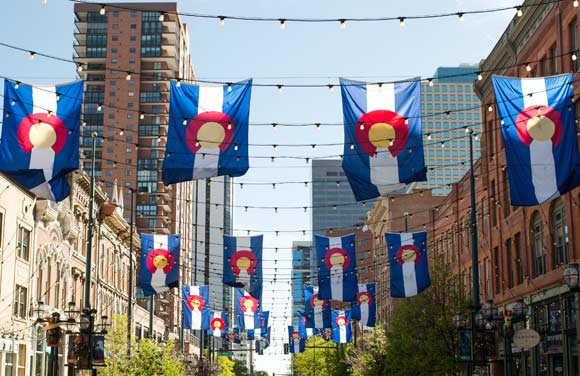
(475, 304)
(571, 276)
(130, 282)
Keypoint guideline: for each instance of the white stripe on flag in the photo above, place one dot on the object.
(211, 98)
(318, 318)
(380, 98)
(43, 101)
(542, 163)
(296, 346)
(409, 274)
(243, 243)
(249, 320)
(384, 166)
(364, 308)
(336, 273)
(159, 278)
(343, 334)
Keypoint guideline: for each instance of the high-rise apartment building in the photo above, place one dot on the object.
(128, 53)
(333, 203)
(447, 106)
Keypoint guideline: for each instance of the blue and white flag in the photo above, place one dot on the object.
(539, 134)
(364, 309)
(247, 310)
(341, 330)
(296, 341)
(233, 335)
(218, 323)
(305, 331)
(159, 263)
(316, 311)
(255, 333)
(195, 311)
(383, 147)
(208, 132)
(408, 261)
(337, 279)
(40, 136)
(243, 263)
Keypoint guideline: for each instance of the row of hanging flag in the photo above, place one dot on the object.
(383, 146)
(242, 268)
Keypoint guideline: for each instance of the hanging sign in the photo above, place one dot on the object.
(526, 338)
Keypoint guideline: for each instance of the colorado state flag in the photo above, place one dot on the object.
(296, 341)
(195, 312)
(243, 263)
(316, 311)
(341, 330)
(337, 279)
(208, 132)
(40, 136)
(539, 135)
(264, 316)
(247, 310)
(383, 147)
(218, 323)
(364, 309)
(159, 263)
(305, 332)
(408, 261)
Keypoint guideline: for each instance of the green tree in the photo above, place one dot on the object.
(226, 365)
(321, 358)
(116, 349)
(422, 339)
(240, 368)
(370, 358)
(147, 356)
(261, 373)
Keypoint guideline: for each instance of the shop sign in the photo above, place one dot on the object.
(526, 338)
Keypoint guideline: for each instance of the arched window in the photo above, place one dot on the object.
(559, 233)
(538, 245)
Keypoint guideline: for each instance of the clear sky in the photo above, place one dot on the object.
(302, 53)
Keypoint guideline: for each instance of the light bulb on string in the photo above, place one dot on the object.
(222, 20)
(430, 82)
(490, 108)
(128, 77)
(274, 127)
(178, 83)
(229, 86)
(479, 76)
(31, 55)
(401, 22)
(161, 17)
(331, 88)
(99, 107)
(575, 3)
(43, 2)
(461, 17)
(102, 11)
(574, 56)
(280, 88)
(528, 67)
(317, 126)
(141, 116)
(282, 24)
(16, 85)
(274, 147)
(342, 24)
(519, 11)
(429, 136)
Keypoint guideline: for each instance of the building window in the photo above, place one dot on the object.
(20, 302)
(554, 59)
(519, 262)
(573, 35)
(493, 207)
(510, 263)
(538, 246)
(506, 193)
(9, 363)
(23, 246)
(496, 270)
(559, 233)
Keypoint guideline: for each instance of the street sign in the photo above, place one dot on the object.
(226, 353)
(526, 338)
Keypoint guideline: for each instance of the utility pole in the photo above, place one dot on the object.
(130, 282)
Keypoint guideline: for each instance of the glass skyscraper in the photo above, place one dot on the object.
(445, 141)
(303, 267)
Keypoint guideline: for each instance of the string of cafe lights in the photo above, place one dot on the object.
(410, 148)
(283, 21)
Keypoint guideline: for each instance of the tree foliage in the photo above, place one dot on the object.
(321, 357)
(226, 366)
(261, 373)
(421, 339)
(147, 356)
(240, 368)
